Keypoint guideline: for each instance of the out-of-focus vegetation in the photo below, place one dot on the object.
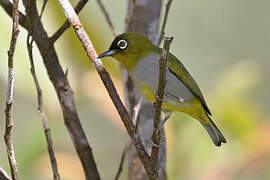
(224, 44)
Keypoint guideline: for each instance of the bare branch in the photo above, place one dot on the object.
(66, 24)
(63, 90)
(106, 79)
(42, 8)
(42, 114)
(8, 7)
(158, 104)
(120, 168)
(162, 32)
(10, 86)
(107, 17)
(4, 175)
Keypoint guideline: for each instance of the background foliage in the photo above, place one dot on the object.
(224, 44)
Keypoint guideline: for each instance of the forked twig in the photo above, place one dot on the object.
(159, 98)
(42, 114)
(162, 32)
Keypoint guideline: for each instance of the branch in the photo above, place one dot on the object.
(107, 17)
(158, 104)
(3, 174)
(106, 79)
(42, 114)
(66, 24)
(8, 6)
(120, 168)
(63, 90)
(162, 32)
(42, 8)
(9, 98)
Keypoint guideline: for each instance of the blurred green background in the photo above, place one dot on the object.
(225, 45)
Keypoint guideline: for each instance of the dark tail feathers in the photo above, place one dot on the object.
(215, 134)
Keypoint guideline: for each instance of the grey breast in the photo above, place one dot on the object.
(147, 71)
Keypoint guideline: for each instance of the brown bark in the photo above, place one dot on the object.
(63, 89)
(143, 16)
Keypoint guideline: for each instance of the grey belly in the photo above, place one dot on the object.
(147, 72)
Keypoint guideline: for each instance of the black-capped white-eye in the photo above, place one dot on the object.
(122, 44)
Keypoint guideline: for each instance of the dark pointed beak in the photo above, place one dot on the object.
(107, 53)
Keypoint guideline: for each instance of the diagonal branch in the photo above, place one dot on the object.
(3, 174)
(66, 24)
(106, 79)
(10, 87)
(120, 168)
(8, 6)
(162, 32)
(107, 17)
(42, 114)
(159, 98)
(43, 8)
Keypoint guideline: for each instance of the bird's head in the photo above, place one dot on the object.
(129, 48)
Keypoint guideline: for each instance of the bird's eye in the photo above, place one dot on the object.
(122, 44)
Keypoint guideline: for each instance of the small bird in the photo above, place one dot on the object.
(141, 59)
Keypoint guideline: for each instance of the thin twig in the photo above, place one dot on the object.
(66, 24)
(42, 114)
(159, 98)
(135, 115)
(42, 8)
(106, 79)
(8, 7)
(10, 87)
(4, 175)
(107, 17)
(120, 168)
(162, 32)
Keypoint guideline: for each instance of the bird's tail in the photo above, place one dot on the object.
(215, 134)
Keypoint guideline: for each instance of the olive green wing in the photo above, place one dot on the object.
(178, 69)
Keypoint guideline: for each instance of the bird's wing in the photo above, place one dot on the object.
(178, 69)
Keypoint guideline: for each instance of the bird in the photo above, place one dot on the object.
(141, 59)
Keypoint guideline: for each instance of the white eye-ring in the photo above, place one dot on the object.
(122, 44)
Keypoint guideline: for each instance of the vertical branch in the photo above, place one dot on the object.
(10, 86)
(158, 104)
(162, 32)
(42, 114)
(143, 16)
(63, 90)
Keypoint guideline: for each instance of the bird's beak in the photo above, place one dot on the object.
(107, 53)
